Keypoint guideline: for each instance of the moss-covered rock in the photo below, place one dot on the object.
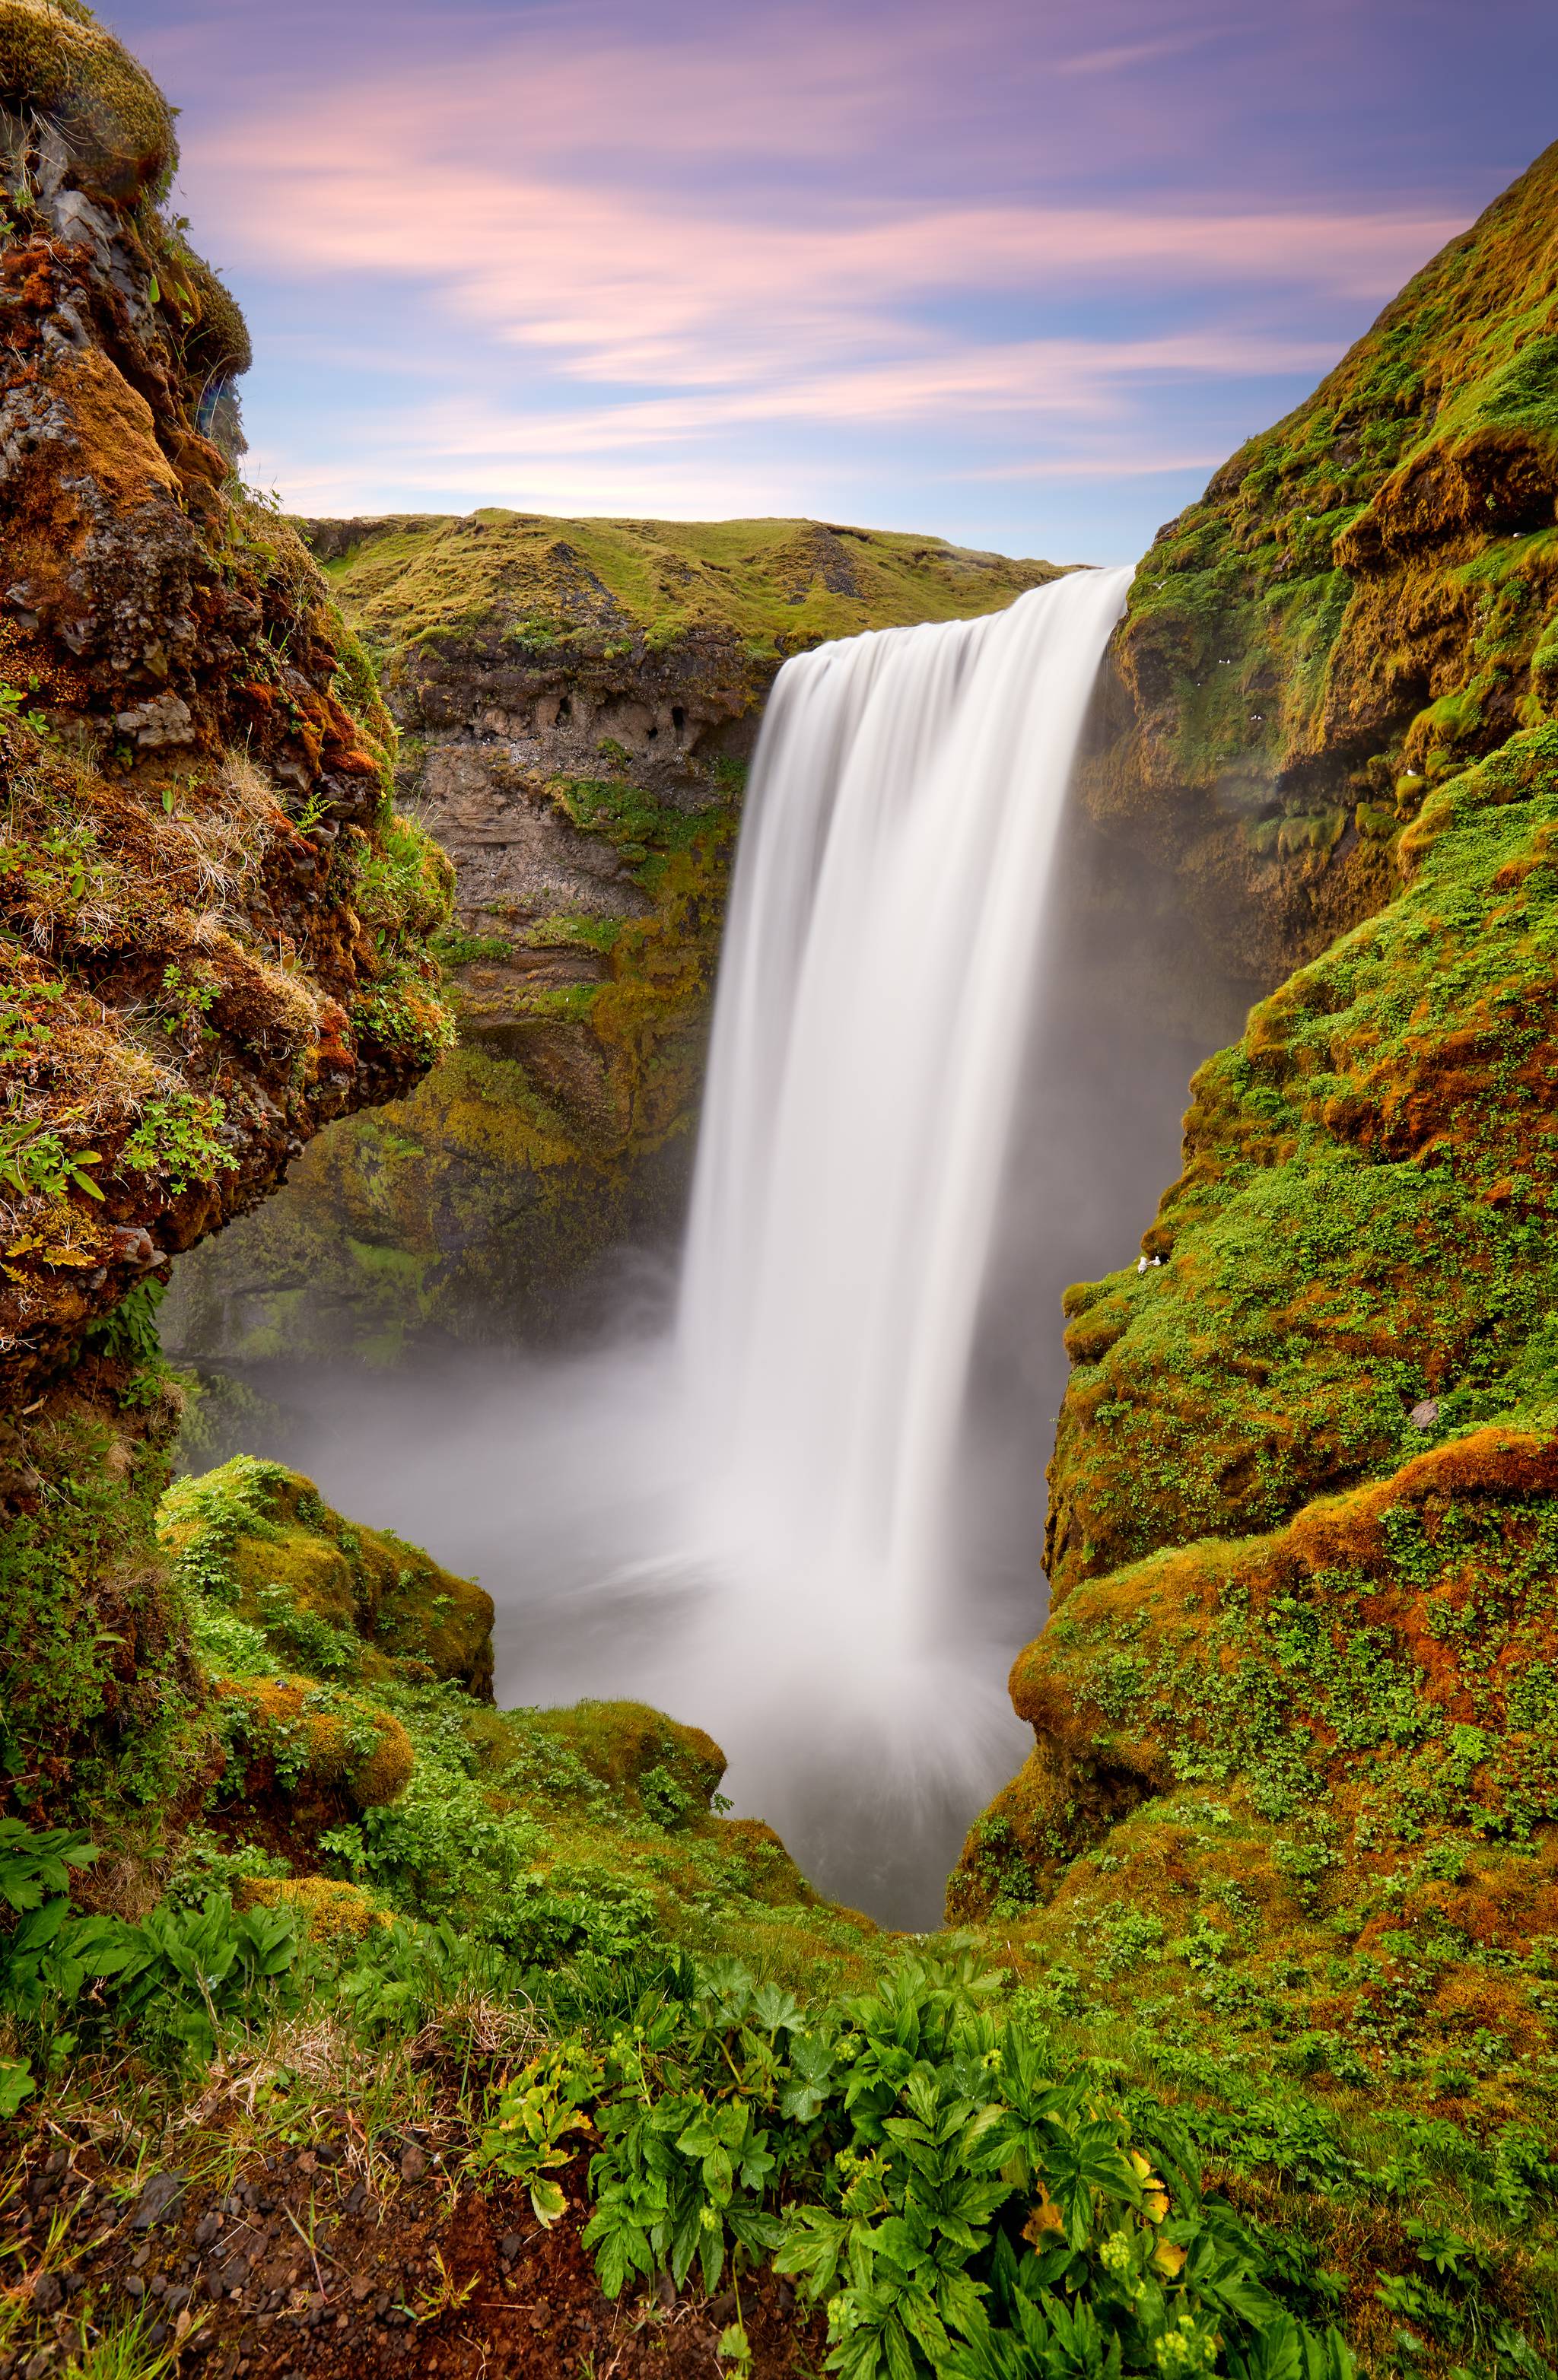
(112, 123)
(1362, 1226)
(1319, 1770)
(1362, 602)
(258, 1540)
(354, 1763)
(330, 1911)
(305, 1738)
(1296, 1773)
(104, 1717)
(213, 931)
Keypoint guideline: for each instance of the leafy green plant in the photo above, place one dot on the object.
(176, 1980)
(181, 1139)
(22, 1031)
(129, 1333)
(526, 2139)
(186, 1971)
(14, 708)
(917, 2161)
(36, 1161)
(326, 1650)
(188, 997)
(47, 1955)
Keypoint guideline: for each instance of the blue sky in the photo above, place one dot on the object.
(1018, 274)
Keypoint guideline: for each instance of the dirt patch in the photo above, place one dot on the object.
(343, 2262)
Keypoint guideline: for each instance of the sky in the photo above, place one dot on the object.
(1018, 272)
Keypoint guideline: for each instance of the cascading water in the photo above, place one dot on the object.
(806, 1519)
(873, 1010)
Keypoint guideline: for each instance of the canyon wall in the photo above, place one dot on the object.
(578, 701)
(1294, 1709)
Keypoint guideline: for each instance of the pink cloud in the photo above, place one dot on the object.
(611, 252)
(618, 284)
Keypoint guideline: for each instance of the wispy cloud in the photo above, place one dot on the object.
(842, 307)
(733, 257)
(1126, 56)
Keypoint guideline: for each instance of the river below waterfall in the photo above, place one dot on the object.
(792, 1492)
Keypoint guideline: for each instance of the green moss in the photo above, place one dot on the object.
(256, 1539)
(1386, 1108)
(1391, 539)
(100, 1712)
(349, 1670)
(56, 58)
(1356, 1289)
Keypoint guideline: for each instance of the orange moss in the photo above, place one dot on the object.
(298, 1733)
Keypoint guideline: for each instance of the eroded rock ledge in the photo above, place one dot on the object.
(213, 928)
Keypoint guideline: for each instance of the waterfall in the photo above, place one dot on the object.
(952, 1032)
(873, 1008)
(763, 1522)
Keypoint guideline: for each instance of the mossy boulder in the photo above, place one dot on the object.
(115, 125)
(258, 1540)
(304, 1738)
(329, 1910)
(640, 1753)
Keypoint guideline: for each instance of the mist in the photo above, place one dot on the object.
(719, 1519)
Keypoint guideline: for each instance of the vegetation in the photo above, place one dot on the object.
(1244, 2061)
(553, 588)
(1360, 605)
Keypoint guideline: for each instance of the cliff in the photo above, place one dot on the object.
(578, 701)
(1356, 607)
(213, 928)
(1294, 1706)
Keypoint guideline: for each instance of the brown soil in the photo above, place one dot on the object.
(336, 2263)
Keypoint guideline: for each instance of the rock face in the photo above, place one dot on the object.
(1358, 605)
(578, 701)
(1293, 1711)
(212, 926)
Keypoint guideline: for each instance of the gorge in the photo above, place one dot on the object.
(385, 1977)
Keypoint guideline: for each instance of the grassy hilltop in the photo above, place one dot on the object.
(767, 586)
